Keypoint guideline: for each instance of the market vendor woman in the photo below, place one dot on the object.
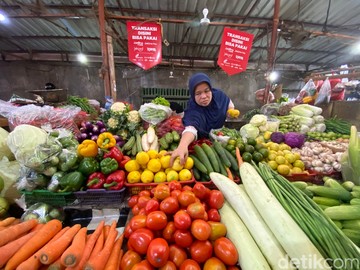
(206, 109)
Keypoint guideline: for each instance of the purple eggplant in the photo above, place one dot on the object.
(83, 136)
(117, 137)
(83, 130)
(103, 130)
(120, 143)
(89, 126)
(94, 137)
(100, 124)
(95, 130)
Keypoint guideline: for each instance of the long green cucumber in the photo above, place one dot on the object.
(234, 164)
(220, 151)
(221, 165)
(203, 158)
(211, 155)
(198, 164)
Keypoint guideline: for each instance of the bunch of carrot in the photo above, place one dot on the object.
(29, 245)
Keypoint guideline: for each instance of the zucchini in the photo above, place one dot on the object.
(203, 158)
(338, 224)
(234, 164)
(348, 185)
(211, 156)
(334, 193)
(355, 201)
(355, 194)
(130, 143)
(198, 164)
(221, 165)
(343, 212)
(138, 142)
(299, 184)
(196, 173)
(326, 201)
(220, 151)
(354, 235)
(356, 188)
(351, 224)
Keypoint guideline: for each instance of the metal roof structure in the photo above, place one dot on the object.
(310, 34)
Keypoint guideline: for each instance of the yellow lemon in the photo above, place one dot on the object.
(132, 165)
(284, 146)
(272, 156)
(296, 170)
(290, 157)
(280, 160)
(153, 153)
(189, 163)
(297, 155)
(165, 161)
(286, 152)
(273, 165)
(260, 140)
(283, 169)
(154, 165)
(168, 170)
(160, 177)
(162, 153)
(172, 175)
(267, 135)
(280, 153)
(142, 158)
(133, 177)
(299, 164)
(147, 176)
(274, 146)
(185, 175)
(176, 165)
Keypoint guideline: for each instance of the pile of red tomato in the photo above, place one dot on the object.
(175, 227)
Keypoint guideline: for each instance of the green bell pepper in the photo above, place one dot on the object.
(108, 165)
(72, 181)
(88, 166)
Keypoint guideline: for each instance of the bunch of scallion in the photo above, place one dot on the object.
(331, 242)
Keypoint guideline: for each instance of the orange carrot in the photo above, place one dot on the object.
(8, 250)
(120, 257)
(57, 265)
(89, 246)
(238, 156)
(113, 261)
(13, 232)
(33, 262)
(41, 237)
(106, 231)
(98, 260)
(7, 221)
(99, 244)
(16, 221)
(51, 252)
(72, 254)
(229, 173)
(37, 227)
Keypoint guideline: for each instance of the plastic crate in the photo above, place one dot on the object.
(136, 188)
(100, 198)
(52, 198)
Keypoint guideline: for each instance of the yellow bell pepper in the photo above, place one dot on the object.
(106, 140)
(88, 148)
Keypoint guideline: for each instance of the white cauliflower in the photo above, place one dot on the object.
(134, 116)
(119, 107)
(258, 120)
(112, 123)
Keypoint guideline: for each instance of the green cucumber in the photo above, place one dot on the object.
(196, 173)
(200, 153)
(198, 164)
(221, 165)
(211, 155)
(220, 151)
(234, 164)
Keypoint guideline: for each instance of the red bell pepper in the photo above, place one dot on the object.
(115, 180)
(115, 153)
(96, 180)
(123, 162)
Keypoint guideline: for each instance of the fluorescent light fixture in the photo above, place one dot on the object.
(205, 20)
(273, 76)
(82, 58)
(3, 17)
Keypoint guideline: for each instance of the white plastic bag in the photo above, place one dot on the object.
(324, 93)
(153, 113)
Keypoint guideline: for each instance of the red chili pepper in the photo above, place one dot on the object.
(96, 180)
(115, 153)
(123, 162)
(115, 180)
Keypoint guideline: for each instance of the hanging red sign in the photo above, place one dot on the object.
(144, 44)
(234, 51)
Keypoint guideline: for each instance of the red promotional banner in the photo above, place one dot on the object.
(234, 51)
(144, 44)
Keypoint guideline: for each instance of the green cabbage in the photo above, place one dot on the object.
(249, 131)
(4, 149)
(23, 141)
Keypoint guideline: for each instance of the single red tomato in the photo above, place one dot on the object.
(158, 252)
(129, 259)
(232, 267)
(177, 255)
(182, 220)
(214, 215)
(128, 231)
(214, 264)
(200, 229)
(133, 201)
(140, 240)
(169, 265)
(135, 210)
(156, 220)
(205, 217)
(145, 193)
(186, 188)
(142, 211)
(190, 264)
(137, 222)
(226, 251)
(200, 251)
(200, 191)
(175, 193)
(196, 210)
(174, 185)
(183, 238)
(186, 197)
(143, 265)
(215, 199)
(142, 201)
(162, 191)
(152, 192)
(168, 232)
(151, 206)
(218, 230)
(170, 205)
